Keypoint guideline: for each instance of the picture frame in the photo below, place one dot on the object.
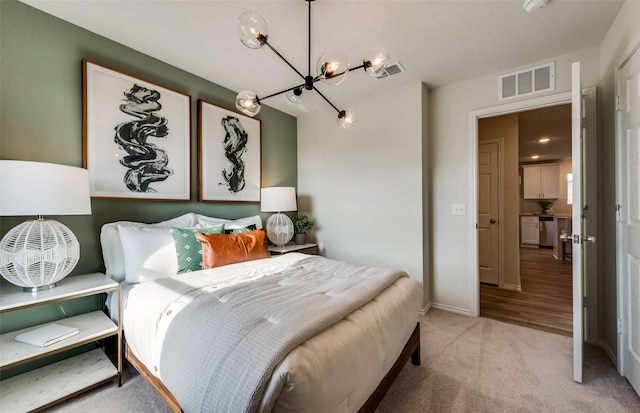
(229, 154)
(136, 137)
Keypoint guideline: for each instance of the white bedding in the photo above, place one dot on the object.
(335, 371)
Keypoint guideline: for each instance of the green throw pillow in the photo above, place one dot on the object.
(188, 248)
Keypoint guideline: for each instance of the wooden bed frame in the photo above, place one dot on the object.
(411, 350)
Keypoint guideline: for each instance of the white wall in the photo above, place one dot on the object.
(624, 32)
(363, 187)
(449, 131)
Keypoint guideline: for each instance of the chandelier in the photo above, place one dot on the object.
(331, 68)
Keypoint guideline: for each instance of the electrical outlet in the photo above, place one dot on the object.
(459, 209)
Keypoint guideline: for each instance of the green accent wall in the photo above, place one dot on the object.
(41, 120)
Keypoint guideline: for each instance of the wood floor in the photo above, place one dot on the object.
(545, 302)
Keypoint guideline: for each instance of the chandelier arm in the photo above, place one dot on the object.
(328, 101)
(283, 58)
(284, 91)
(362, 66)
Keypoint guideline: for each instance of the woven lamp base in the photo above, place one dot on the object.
(279, 229)
(37, 254)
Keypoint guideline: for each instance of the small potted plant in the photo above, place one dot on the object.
(301, 225)
(547, 206)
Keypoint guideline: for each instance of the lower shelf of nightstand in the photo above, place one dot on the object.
(44, 386)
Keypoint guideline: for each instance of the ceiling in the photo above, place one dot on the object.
(553, 123)
(438, 42)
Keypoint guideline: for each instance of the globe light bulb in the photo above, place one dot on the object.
(248, 103)
(347, 119)
(332, 67)
(253, 29)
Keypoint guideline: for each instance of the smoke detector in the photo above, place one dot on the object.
(534, 6)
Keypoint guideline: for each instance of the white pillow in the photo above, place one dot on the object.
(149, 253)
(112, 248)
(244, 222)
(205, 221)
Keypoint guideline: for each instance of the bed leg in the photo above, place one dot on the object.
(415, 356)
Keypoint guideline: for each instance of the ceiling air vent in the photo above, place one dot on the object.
(525, 82)
(392, 69)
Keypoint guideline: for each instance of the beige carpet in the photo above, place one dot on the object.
(468, 365)
(482, 365)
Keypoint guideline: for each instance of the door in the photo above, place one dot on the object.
(577, 221)
(488, 202)
(629, 219)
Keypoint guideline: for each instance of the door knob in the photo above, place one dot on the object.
(589, 238)
(564, 237)
(492, 221)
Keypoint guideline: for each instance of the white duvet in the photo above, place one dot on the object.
(336, 370)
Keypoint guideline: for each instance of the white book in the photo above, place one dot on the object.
(47, 335)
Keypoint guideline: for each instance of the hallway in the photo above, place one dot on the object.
(545, 302)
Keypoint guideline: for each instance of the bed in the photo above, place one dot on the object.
(256, 333)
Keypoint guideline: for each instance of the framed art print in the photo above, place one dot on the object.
(229, 155)
(136, 137)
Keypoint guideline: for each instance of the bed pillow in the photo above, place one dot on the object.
(224, 249)
(112, 247)
(229, 224)
(149, 253)
(188, 248)
(251, 227)
(205, 221)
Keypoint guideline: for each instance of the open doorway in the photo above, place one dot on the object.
(530, 284)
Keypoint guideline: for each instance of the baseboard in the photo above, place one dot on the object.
(612, 354)
(426, 309)
(451, 309)
(511, 287)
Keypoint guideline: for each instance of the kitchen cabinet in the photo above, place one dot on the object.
(541, 181)
(529, 231)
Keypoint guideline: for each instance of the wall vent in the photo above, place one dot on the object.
(526, 82)
(393, 69)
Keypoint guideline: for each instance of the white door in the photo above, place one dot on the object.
(629, 219)
(578, 222)
(488, 201)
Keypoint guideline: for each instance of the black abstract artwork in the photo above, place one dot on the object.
(146, 162)
(235, 145)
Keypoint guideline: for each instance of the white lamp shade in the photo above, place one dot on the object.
(278, 199)
(37, 188)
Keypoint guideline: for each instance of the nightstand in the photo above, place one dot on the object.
(43, 387)
(311, 249)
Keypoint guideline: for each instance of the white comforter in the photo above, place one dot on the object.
(335, 371)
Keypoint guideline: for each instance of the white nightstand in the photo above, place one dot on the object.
(311, 249)
(45, 386)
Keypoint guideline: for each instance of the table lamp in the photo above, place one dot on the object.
(36, 254)
(279, 199)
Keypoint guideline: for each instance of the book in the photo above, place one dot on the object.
(47, 335)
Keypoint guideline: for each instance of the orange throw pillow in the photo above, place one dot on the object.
(224, 249)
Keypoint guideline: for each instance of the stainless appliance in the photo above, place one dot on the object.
(547, 231)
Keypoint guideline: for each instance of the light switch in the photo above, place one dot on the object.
(459, 209)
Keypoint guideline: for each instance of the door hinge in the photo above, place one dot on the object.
(619, 213)
(617, 103)
(620, 326)
(584, 123)
(585, 302)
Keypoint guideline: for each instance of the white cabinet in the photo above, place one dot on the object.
(541, 181)
(529, 230)
(58, 381)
